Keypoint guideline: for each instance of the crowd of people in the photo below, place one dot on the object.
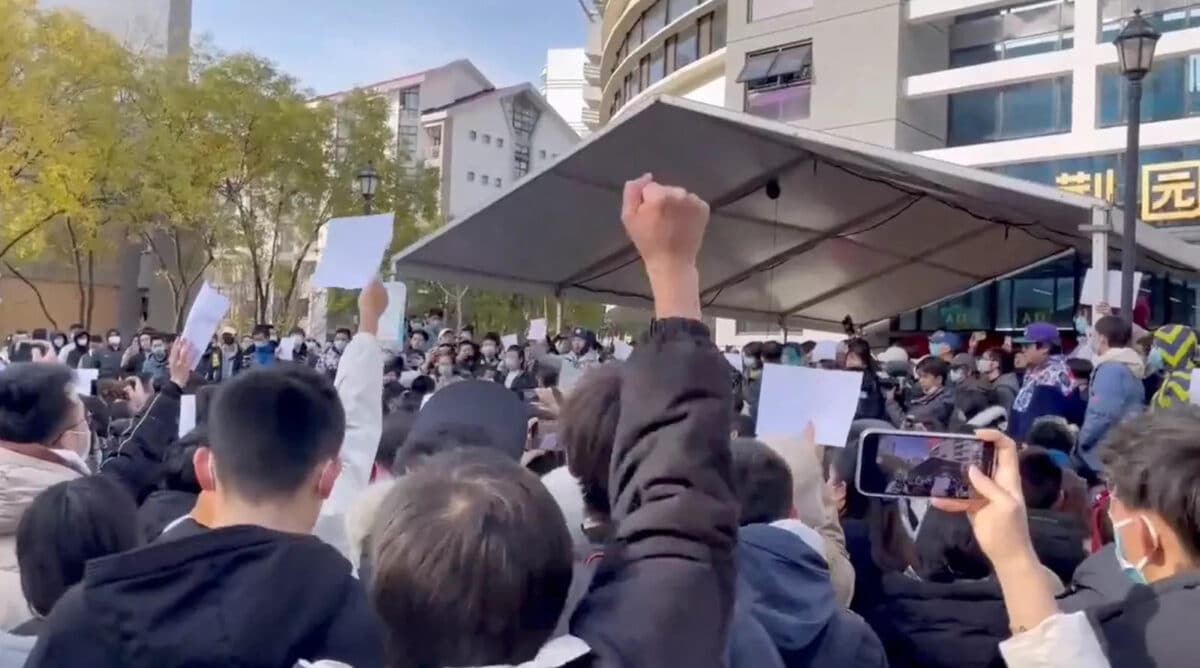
(450, 503)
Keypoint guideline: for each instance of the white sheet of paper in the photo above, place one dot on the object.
(568, 377)
(1089, 295)
(84, 378)
(537, 329)
(1194, 397)
(208, 310)
(509, 340)
(622, 350)
(187, 414)
(735, 361)
(354, 249)
(793, 396)
(391, 323)
(286, 350)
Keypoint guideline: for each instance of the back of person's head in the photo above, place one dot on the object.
(272, 429)
(66, 526)
(753, 349)
(178, 467)
(547, 376)
(762, 482)
(472, 563)
(772, 352)
(396, 427)
(1080, 368)
(472, 414)
(1051, 432)
(587, 427)
(1041, 479)
(1152, 462)
(933, 366)
(1115, 330)
(37, 403)
(946, 549)
(972, 398)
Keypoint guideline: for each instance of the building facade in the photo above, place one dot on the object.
(563, 85)
(125, 291)
(1028, 89)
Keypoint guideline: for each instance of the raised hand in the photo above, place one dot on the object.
(666, 225)
(180, 362)
(372, 302)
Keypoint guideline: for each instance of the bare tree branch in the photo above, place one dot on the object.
(36, 293)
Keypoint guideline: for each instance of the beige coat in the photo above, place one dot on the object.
(21, 479)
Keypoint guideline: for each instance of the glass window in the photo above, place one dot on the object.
(757, 66)
(644, 72)
(705, 28)
(487, 139)
(1170, 91)
(685, 48)
(470, 176)
(655, 18)
(718, 30)
(472, 135)
(1028, 109)
(658, 68)
(788, 104)
(1010, 112)
(410, 99)
(635, 35)
(484, 179)
(974, 117)
(500, 140)
(497, 181)
(976, 55)
(677, 8)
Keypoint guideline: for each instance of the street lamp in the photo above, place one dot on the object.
(368, 181)
(1135, 52)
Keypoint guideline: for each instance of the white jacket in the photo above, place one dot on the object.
(1060, 641)
(359, 384)
(22, 478)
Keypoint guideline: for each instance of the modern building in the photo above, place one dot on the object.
(125, 289)
(563, 85)
(480, 139)
(1028, 89)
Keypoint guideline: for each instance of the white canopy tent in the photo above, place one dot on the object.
(856, 230)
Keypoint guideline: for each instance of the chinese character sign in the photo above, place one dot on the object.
(1170, 191)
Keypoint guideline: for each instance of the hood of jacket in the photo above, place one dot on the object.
(22, 478)
(1127, 356)
(205, 598)
(1178, 346)
(788, 583)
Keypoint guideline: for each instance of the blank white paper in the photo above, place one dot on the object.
(793, 396)
(354, 249)
(537, 329)
(187, 414)
(622, 350)
(85, 377)
(1089, 295)
(208, 310)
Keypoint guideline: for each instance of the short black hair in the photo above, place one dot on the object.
(75, 325)
(1002, 356)
(493, 337)
(480, 511)
(204, 399)
(518, 350)
(423, 385)
(587, 427)
(1117, 331)
(762, 482)
(1153, 462)
(155, 336)
(421, 333)
(547, 376)
(753, 349)
(344, 330)
(1041, 479)
(467, 328)
(396, 426)
(178, 469)
(436, 312)
(772, 352)
(1051, 432)
(934, 366)
(35, 402)
(1080, 368)
(67, 525)
(271, 426)
(447, 436)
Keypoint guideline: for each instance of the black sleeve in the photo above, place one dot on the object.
(664, 592)
(355, 637)
(69, 639)
(137, 461)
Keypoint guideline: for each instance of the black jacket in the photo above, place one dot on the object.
(663, 593)
(1153, 625)
(1098, 580)
(1058, 541)
(871, 403)
(238, 596)
(941, 625)
(107, 360)
(161, 508)
(136, 462)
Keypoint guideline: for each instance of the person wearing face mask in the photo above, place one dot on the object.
(44, 438)
(490, 362)
(1172, 354)
(107, 358)
(934, 408)
(995, 368)
(871, 403)
(515, 377)
(444, 369)
(263, 352)
(466, 360)
(752, 376)
(58, 341)
(156, 360)
(72, 354)
(328, 361)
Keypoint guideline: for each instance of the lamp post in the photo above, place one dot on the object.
(1135, 52)
(368, 181)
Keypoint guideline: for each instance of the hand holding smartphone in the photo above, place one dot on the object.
(922, 465)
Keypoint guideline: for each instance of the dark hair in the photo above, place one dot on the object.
(808, 346)
(344, 330)
(973, 397)
(1080, 368)
(493, 337)
(155, 336)
(762, 482)
(1153, 463)
(178, 470)
(934, 366)
(75, 325)
(396, 426)
(423, 385)
(204, 399)
(467, 328)
(270, 427)
(547, 376)
(947, 550)
(35, 402)
(447, 436)
(480, 511)
(753, 349)
(862, 349)
(1051, 432)
(772, 352)
(518, 350)
(436, 312)
(1002, 356)
(1041, 479)
(1117, 331)
(587, 427)
(67, 525)
(423, 334)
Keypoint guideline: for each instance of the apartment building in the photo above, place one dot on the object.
(563, 85)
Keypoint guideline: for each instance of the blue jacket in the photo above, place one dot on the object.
(785, 585)
(1116, 392)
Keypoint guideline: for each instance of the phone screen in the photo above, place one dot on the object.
(920, 465)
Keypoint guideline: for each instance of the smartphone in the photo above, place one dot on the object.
(921, 465)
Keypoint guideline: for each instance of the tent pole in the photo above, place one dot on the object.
(558, 314)
(1099, 228)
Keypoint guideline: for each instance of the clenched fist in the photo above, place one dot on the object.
(666, 225)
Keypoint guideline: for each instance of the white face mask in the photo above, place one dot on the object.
(114, 341)
(957, 375)
(489, 351)
(340, 345)
(985, 366)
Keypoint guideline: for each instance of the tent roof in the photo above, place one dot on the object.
(859, 230)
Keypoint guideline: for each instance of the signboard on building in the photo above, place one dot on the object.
(1170, 191)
